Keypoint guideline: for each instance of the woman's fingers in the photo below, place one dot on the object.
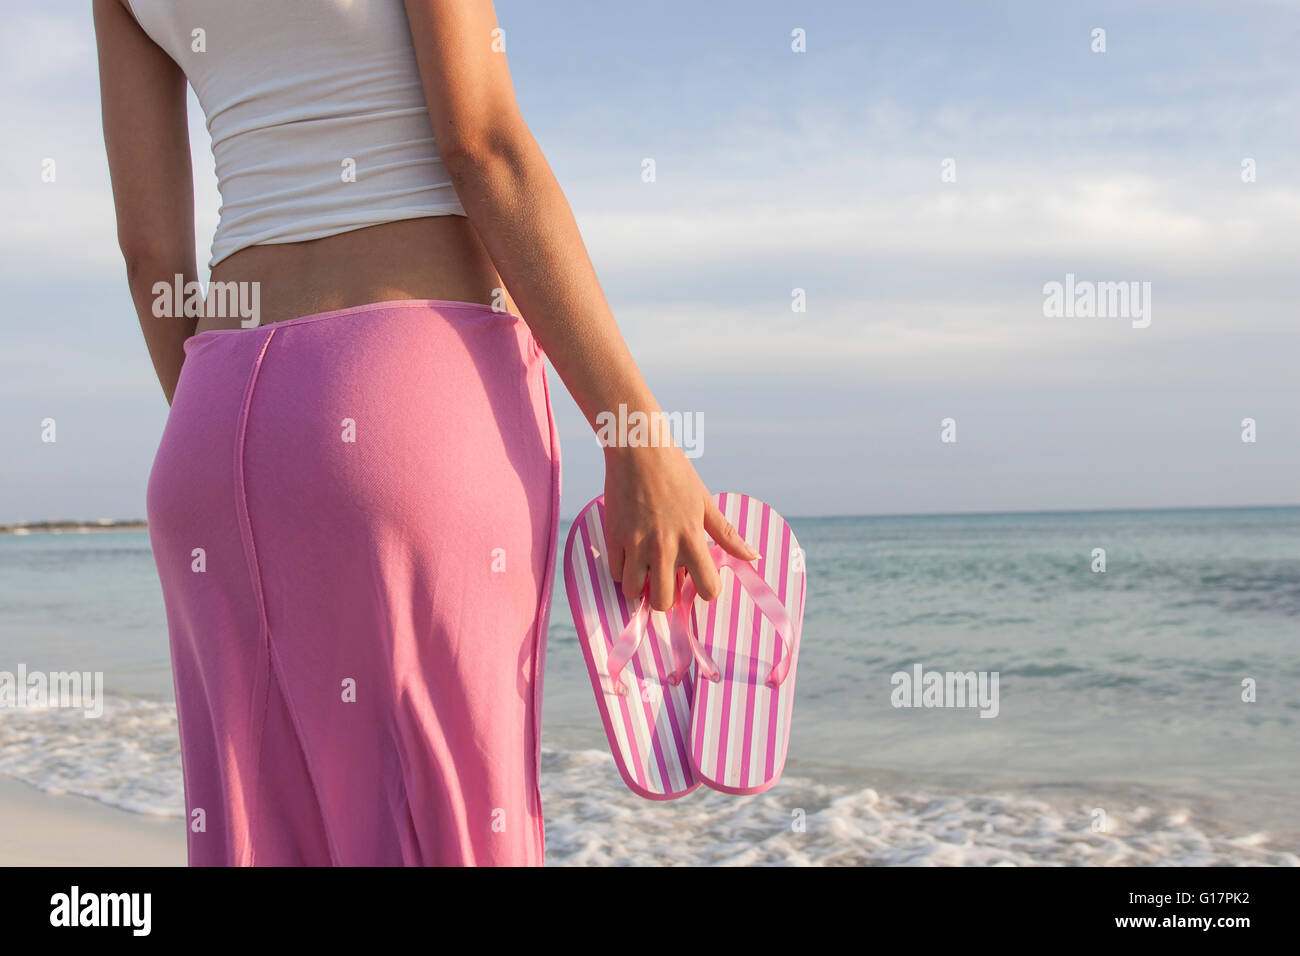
(616, 558)
(700, 566)
(637, 566)
(721, 531)
(663, 580)
(634, 574)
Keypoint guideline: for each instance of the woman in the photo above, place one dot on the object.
(354, 504)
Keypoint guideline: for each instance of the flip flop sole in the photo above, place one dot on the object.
(740, 727)
(647, 727)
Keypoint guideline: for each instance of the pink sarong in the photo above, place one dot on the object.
(354, 518)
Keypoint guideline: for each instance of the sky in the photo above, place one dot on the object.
(920, 171)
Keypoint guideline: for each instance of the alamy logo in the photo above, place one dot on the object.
(651, 429)
(922, 688)
(75, 908)
(1098, 300)
(38, 690)
(176, 299)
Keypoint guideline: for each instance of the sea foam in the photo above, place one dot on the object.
(130, 758)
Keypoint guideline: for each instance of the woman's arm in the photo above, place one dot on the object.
(657, 510)
(147, 136)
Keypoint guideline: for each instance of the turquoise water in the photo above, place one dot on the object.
(1125, 684)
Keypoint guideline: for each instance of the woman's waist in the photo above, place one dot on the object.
(434, 259)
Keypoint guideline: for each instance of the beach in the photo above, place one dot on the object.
(46, 829)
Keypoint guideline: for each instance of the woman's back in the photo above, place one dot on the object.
(320, 128)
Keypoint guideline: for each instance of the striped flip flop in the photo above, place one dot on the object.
(746, 646)
(639, 664)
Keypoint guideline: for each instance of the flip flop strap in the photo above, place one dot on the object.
(629, 640)
(681, 636)
(683, 640)
(767, 601)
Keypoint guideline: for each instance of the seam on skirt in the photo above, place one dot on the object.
(277, 669)
(544, 609)
(261, 683)
(273, 667)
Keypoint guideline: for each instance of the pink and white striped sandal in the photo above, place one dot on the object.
(639, 664)
(746, 647)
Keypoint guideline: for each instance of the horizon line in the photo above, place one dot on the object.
(1132, 509)
(110, 523)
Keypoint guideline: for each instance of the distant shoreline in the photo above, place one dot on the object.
(139, 524)
(76, 527)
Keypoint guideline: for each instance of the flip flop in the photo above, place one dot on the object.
(639, 664)
(746, 647)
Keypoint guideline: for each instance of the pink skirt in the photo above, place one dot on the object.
(354, 518)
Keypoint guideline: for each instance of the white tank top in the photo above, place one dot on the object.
(319, 124)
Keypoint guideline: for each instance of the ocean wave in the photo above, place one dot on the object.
(592, 820)
(129, 758)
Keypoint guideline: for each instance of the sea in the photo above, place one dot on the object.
(1146, 665)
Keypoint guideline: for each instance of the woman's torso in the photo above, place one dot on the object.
(333, 193)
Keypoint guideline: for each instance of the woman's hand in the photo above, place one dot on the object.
(658, 516)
